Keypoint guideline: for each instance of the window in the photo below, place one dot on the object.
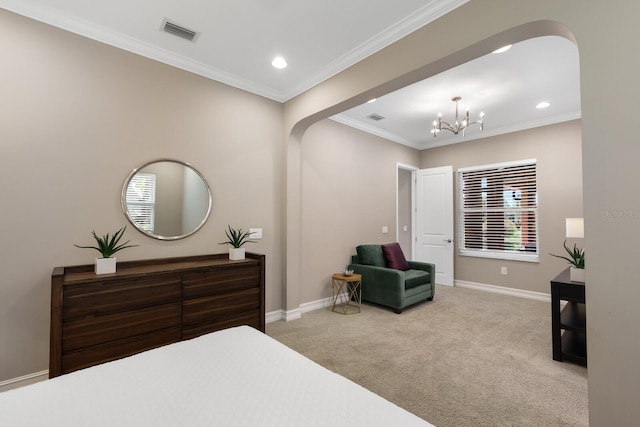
(498, 211)
(141, 200)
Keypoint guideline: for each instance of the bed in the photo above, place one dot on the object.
(234, 377)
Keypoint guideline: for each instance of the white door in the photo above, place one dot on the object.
(434, 234)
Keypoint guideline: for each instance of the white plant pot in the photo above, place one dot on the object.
(236, 254)
(105, 265)
(576, 274)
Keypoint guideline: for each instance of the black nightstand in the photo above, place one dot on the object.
(569, 325)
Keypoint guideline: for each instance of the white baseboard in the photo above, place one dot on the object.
(23, 380)
(538, 296)
(274, 316)
(292, 314)
(297, 313)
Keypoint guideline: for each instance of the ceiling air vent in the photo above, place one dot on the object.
(377, 117)
(178, 30)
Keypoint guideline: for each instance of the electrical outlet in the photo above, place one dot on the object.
(503, 270)
(385, 229)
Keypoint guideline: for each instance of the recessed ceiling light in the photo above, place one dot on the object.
(371, 100)
(543, 104)
(502, 49)
(279, 62)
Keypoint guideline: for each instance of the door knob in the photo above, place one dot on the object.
(447, 240)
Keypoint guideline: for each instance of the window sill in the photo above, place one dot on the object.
(511, 256)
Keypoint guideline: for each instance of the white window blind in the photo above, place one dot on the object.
(141, 200)
(498, 211)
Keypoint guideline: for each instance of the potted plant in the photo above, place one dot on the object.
(576, 259)
(237, 238)
(107, 246)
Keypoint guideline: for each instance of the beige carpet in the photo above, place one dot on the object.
(469, 358)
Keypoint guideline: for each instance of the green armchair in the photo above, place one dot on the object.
(389, 280)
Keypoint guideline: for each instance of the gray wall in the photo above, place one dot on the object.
(76, 117)
(558, 150)
(348, 195)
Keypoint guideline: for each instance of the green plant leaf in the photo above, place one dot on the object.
(576, 256)
(108, 245)
(236, 237)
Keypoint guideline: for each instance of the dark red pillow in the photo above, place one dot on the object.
(395, 258)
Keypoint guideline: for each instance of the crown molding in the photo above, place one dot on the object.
(347, 121)
(435, 142)
(107, 36)
(431, 11)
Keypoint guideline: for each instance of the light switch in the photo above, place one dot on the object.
(385, 229)
(255, 233)
(405, 228)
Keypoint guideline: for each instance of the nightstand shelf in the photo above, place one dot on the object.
(574, 317)
(574, 347)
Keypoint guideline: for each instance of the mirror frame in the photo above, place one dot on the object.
(123, 199)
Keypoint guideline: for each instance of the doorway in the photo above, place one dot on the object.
(424, 217)
(405, 209)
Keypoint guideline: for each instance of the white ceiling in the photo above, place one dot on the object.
(505, 86)
(238, 40)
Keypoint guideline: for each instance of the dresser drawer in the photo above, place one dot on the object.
(221, 280)
(90, 331)
(118, 349)
(251, 318)
(118, 295)
(219, 306)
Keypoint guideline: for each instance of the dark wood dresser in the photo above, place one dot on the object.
(147, 304)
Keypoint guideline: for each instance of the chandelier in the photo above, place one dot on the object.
(458, 126)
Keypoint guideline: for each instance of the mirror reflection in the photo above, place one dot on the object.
(166, 199)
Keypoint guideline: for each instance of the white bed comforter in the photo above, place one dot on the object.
(235, 377)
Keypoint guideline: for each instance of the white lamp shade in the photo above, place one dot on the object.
(575, 228)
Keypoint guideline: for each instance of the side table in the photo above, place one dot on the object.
(569, 324)
(350, 288)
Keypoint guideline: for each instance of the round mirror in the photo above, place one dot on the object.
(166, 199)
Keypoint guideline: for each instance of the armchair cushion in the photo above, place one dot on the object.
(413, 278)
(371, 255)
(394, 257)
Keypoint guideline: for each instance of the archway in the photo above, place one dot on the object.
(293, 218)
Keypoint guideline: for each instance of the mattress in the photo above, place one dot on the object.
(234, 377)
